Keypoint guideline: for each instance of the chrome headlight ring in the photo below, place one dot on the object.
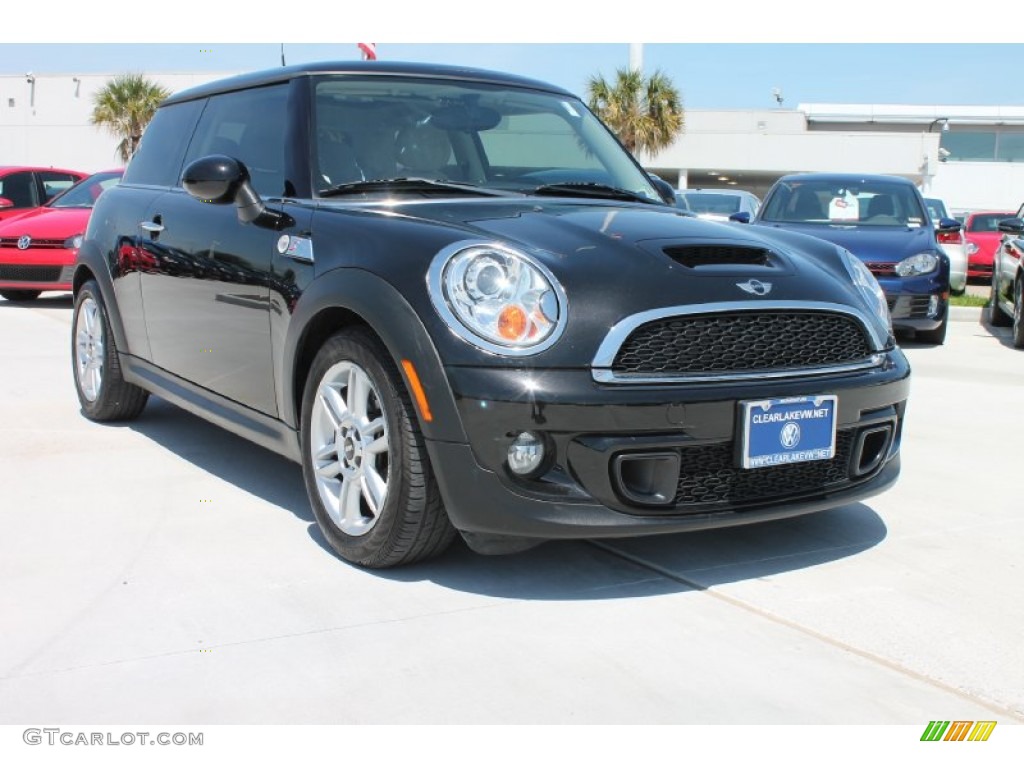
(497, 298)
(869, 289)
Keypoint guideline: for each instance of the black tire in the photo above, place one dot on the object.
(996, 317)
(20, 295)
(112, 398)
(1018, 313)
(936, 336)
(411, 524)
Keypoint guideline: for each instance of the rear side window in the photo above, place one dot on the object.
(158, 159)
(247, 125)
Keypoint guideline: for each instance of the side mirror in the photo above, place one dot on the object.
(1012, 226)
(6, 203)
(743, 217)
(948, 225)
(665, 190)
(219, 179)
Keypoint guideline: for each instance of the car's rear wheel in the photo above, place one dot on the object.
(1018, 313)
(102, 392)
(996, 317)
(364, 460)
(20, 295)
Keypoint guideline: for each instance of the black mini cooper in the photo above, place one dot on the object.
(456, 300)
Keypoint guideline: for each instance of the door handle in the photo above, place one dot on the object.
(151, 226)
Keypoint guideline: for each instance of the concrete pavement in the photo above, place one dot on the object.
(167, 571)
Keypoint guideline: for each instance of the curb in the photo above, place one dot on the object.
(965, 314)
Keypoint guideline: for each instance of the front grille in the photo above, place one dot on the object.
(29, 273)
(881, 268)
(741, 341)
(908, 307)
(43, 245)
(708, 475)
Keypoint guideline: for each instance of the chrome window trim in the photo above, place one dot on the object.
(435, 290)
(605, 357)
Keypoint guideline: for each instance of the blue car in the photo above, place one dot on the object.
(884, 222)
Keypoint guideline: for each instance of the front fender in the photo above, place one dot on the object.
(394, 320)
(90, 260)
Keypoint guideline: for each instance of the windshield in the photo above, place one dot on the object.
(702, 202)
(986, 222)
(499, 137)
(850, 203)
(85, 193)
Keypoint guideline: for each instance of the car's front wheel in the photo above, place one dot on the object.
(996, 317)
(102, 392)
(20, 295)
(364, 460)
(1018, 313)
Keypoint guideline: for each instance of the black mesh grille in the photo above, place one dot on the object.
(708, 475)
(29, 273)
(699, 255)
(725, 343)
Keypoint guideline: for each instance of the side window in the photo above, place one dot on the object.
(55, 183)
(158, 159)
(248, 125)
(20, 189)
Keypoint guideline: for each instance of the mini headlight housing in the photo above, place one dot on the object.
(918, 264)
(497, 298)
(74, 242)
(869, 288)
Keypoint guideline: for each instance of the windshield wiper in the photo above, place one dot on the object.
(592, 189)
(413, 185)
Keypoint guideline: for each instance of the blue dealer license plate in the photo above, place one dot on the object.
(788, 430)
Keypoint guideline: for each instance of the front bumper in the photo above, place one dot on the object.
(43, 271)
(590, 426)
(916, 303)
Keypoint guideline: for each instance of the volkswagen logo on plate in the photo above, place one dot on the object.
(755, 287)
(790, 435)
(24, 242)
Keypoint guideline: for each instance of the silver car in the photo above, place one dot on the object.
(720, 204)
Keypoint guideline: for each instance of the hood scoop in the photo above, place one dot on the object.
(698, 256)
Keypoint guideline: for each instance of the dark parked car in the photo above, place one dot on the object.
(1006, 301)
(882, 220)
(461, 305)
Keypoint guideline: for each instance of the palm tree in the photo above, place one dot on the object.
(124, 106)
(646, 113)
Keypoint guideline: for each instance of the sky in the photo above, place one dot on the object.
(720, 55)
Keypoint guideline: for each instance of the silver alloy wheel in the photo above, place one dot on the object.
(349, 447)
(89, 348)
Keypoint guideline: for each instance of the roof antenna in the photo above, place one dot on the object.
(282, 54)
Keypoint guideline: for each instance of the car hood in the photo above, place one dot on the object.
(47, 223)
(874, 244)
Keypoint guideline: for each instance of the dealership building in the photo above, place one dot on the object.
(972, 157)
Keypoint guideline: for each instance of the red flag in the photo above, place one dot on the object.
(369, 51)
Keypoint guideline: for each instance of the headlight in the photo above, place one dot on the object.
(919, 264)
(972, 248)
(869, 289)
(497, 298)
(75, 242)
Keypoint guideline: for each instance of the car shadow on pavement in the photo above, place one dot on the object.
(653, 564)
(556, 570)
(55, 301)
(233, 459)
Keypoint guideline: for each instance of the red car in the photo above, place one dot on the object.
(982, 233)
(38, 248)
(23, 188)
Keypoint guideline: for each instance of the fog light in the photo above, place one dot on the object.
(933, 305)
(526, 454)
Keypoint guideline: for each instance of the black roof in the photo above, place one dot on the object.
(845, 177)
(280, 74)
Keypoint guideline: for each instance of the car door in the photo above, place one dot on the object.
(206, 286)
